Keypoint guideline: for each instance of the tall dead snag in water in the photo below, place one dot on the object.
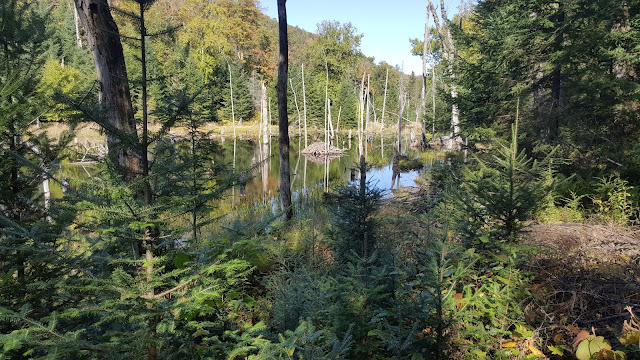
(113, 89)
(295, 100)
(368, 97)
(384, 100)
(283, 120)
(304, 108)
(361, 115)
(264, 116)
(400, 111)
(423, 100)
(326, 105)
(444, 33)
(233, 116)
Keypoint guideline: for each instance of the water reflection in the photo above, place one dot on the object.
(259, 172)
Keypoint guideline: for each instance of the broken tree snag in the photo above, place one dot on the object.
(113, 91)
(444, 33)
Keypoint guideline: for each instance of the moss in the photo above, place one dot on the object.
(408, 164)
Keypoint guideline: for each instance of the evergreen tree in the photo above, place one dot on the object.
(34, 255)
(242, 99)
(347, 101)
(560, 57)
(503, 191)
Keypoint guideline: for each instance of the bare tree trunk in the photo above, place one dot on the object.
(47, 196)
(366, 123)
(270, 129)
(145, 115)
(423, 100)
(450, 54)
(233, 116)
(76, 23)
(283, 119)
(361, 116)
(304, 106)
(433, 99)
(265, 120)
(400, 110)
(113, 91)
(332, 136)
(295, 100)
(384, 100)
(326, 105)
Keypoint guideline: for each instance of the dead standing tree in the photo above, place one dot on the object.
(423, 100)
(444, 33)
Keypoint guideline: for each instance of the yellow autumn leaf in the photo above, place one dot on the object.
(632, 337)
(535, 351)
(509, 344)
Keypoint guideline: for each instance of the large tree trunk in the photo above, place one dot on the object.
(283, 119)
(113, 91)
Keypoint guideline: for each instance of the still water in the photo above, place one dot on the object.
(260, 162)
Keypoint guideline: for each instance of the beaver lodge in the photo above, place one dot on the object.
(321, 149)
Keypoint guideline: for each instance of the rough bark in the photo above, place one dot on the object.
(283, 119)
(113, 91)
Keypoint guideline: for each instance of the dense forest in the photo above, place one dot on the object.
(131, 133)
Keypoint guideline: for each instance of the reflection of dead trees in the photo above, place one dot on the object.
(265, 171)
(395, 177)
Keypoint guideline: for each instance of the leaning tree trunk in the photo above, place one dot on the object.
(283, 120)
(113, 90)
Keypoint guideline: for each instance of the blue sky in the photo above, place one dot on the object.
(387, 25)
